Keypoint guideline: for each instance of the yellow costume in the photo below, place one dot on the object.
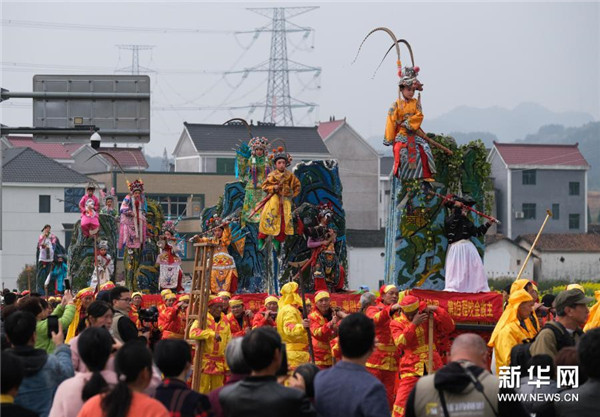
(223, 276)
(593, 320)
(270, 218)
(79, 315)
(510, 331)
(213, 353)
(289, 326)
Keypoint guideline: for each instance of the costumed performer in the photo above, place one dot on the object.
(132, 233)
(267, 314)
(253, 166)
(106, 267)
(89, 195)
(512, 328)
(464, 267)
(46, 246)
(240, 319)
(173, 319)
(136, 306)
(109, 206)
(383, 362)
(169, 261)
(223, 276)
(410, 331)
(56, 280)
(162, 305)
(292, 327)
(83, 299)
(324, 323)
(216, 335)
(593, 320)
(90, 223)
(281, 186)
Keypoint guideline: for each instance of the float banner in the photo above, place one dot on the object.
(484, 307)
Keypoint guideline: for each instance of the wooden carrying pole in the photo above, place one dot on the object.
(430, 346)
(198, 307)
(548, 215)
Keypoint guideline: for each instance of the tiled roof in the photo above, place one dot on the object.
(127, 157)
(540, 154)
(327, 128)
(567, 242)
(225, 138)
(27, 165)
(365, 238)
(386, 163)
(51, 150)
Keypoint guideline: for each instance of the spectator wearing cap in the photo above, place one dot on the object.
(348, 388)
(215, 333)
(172, 322)
(267, 314)
(410, 331)
(572, 313)
(240, 320)
(259, 394)
(513, 327)
(324, 324)
(587, 394)
(43, 371)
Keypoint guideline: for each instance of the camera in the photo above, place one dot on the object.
(148, 315)
(95, 140)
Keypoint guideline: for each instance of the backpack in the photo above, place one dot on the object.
(520, 354)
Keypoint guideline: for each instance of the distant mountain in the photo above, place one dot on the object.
(507, 125)
(154, 162)
(588, 137)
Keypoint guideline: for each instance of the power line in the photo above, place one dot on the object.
(135, 67)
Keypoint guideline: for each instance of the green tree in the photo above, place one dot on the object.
(26, 278)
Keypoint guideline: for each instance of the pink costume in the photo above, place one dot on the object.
(133, 218)
(90, 224)
(84, 200)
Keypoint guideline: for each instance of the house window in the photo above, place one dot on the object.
(573, 221)
(555, 211)
(44, 204)
(71, 200)
(226, 166)
(573, 188)
(528, 211)
(173, 206)
(529, 177)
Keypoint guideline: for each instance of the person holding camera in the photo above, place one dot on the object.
(410, 331)
(240, 320)
(267, 315)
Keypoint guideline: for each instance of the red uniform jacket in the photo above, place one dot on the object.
(260, 320)
(234, 325)
(172, 323)
(322, 331)
(385, 356)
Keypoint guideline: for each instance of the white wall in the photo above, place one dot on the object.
(574, 265)
(504, 259)
(22, 224)
(366, 267)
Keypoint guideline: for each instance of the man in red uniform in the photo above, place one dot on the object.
(240, 320)
(410, 330)
(162, 305)
(136, 305)
(266, 315)
(173, 319)
(163, 316)
(324, 323)
(383, 363)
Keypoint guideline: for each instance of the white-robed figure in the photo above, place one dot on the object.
(103, 272)
(464, 267)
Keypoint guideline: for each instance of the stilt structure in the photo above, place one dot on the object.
(198, 306)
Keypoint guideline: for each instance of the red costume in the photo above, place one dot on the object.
(413, 340)
(323, 331)
(238, 330)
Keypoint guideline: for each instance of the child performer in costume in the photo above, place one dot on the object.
(46, 246)
(89, 195)
(169, 261)
(413, 158)
(223, 276)
(59, 273)
(254, 166)
(281, 186)
(464, 267)
(90, 223)
(105, 268)
(109, 206)
(133, 217)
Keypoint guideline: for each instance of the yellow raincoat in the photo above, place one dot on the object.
(289, 326)
(509, 330)
(593, 320)
(270, 218)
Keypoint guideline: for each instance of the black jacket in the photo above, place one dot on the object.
(264, 397)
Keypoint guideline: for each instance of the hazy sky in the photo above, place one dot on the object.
(475, 54)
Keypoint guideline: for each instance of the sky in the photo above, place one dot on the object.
(478, 54)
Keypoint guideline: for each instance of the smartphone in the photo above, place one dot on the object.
(52, 325)
(67, 284)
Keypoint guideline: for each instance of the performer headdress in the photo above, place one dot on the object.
(137, 185)
(280, 153)
(258, 143)
(103, 244)
(169, 226)
(325, 210)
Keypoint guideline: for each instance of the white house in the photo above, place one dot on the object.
(504, 258)
(36, 190)
(366, 258)
(565, 256)
(211, 148)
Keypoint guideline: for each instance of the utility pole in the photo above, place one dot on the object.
(135, 58)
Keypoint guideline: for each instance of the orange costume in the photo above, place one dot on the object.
(134, 314)
(223, 276)
(323, 331)
(238, 329)
(259, 318)
(213, 354)
(172, 321)
(413, 340)
(383, 363)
